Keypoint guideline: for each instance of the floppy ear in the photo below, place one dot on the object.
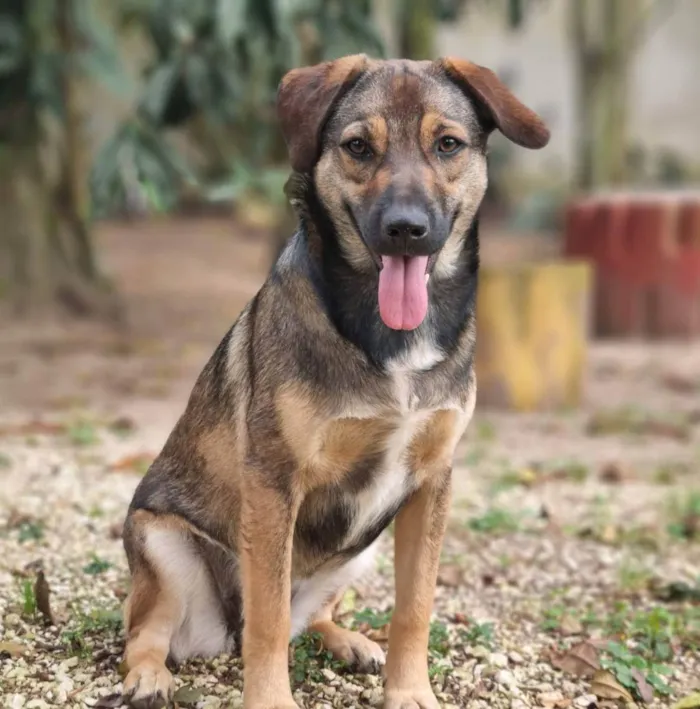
(515, 120)
(304, 100)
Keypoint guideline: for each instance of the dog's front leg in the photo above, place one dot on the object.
(420, 528)
(267, 529)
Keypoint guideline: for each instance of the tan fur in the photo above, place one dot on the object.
(298, 445)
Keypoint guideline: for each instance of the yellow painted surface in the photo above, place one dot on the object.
(532, 335)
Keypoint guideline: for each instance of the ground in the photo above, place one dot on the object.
(571, 571)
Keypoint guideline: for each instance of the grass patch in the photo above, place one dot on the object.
(494, 521)
(684, 517)
(79, 638)
(632, 669)
(478, 634)
(30, 530)
(29, 606)
(374, 619)
(83, 433)
(96, 566)
(628, 420)
(308, 658)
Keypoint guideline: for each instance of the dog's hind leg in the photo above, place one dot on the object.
(353, 648)
(172, 609)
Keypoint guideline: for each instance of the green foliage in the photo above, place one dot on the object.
(625, 664)
(478, 634)
(30, 530)
(96, 566)
(374, 619)
(84, 627)
(32, 61)
(28, 598)
(216, 71)
(494, 521)
(309, 657)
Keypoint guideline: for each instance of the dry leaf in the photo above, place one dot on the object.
(138, 463)
(570, 625)
(12, 649)
(614, 473)
(123, 669)
(581, 660)
(605, 686)
(109, 701)
(450, 575)
(692, 701)
(42, 592)
(646, 692)
(553, 700)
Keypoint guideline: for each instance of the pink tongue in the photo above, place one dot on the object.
(403, 292)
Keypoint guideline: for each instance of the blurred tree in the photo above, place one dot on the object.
(47, 48)
(215, 74)
(605, 35)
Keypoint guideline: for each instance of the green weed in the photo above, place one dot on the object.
(494, 521)
(96, 566)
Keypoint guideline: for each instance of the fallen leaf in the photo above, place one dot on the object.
(581, 660)
(122, 425)
(553, 700)
(42, 593)
(680, 384)
(450, 575)
(187, 696)
(614, 473)
(605, 686)
(109, 701)
(138, 463)
(123, 669)
(570, 625)
(12, 649)
(692, 701)
(35, 427)
(646, 691)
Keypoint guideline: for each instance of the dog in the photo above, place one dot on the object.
(333, 405)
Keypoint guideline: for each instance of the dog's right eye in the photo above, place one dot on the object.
(358, 148)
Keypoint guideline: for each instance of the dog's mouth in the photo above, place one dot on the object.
(403, 290)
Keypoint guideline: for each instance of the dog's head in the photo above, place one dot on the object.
(397, 154)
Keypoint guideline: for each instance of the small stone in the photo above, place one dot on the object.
(519, 704)
(12, 620)
(516, 658)
(70, 662)
(506, 678)
(328, 674)
(585, 701)
(550, 698)
(375, 697)
(499, 660)
(478, 651)
(37, 704)
(544, 687)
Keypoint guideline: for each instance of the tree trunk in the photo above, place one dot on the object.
(601, 34)
(46, 241)
(417, 25)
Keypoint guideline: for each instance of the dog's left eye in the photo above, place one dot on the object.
(358, 148)
(447, 145)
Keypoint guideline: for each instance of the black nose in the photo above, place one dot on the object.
(405, 223)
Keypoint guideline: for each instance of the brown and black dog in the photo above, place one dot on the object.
(334, 403)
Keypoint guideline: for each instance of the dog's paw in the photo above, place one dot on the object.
(410, 699)
(149, 686)
(354, 649)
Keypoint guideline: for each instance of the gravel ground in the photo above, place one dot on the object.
(570, 531)
(560, 539)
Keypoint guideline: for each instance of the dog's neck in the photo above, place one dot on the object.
(350, 297)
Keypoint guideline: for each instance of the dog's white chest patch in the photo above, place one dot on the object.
(391, 482)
